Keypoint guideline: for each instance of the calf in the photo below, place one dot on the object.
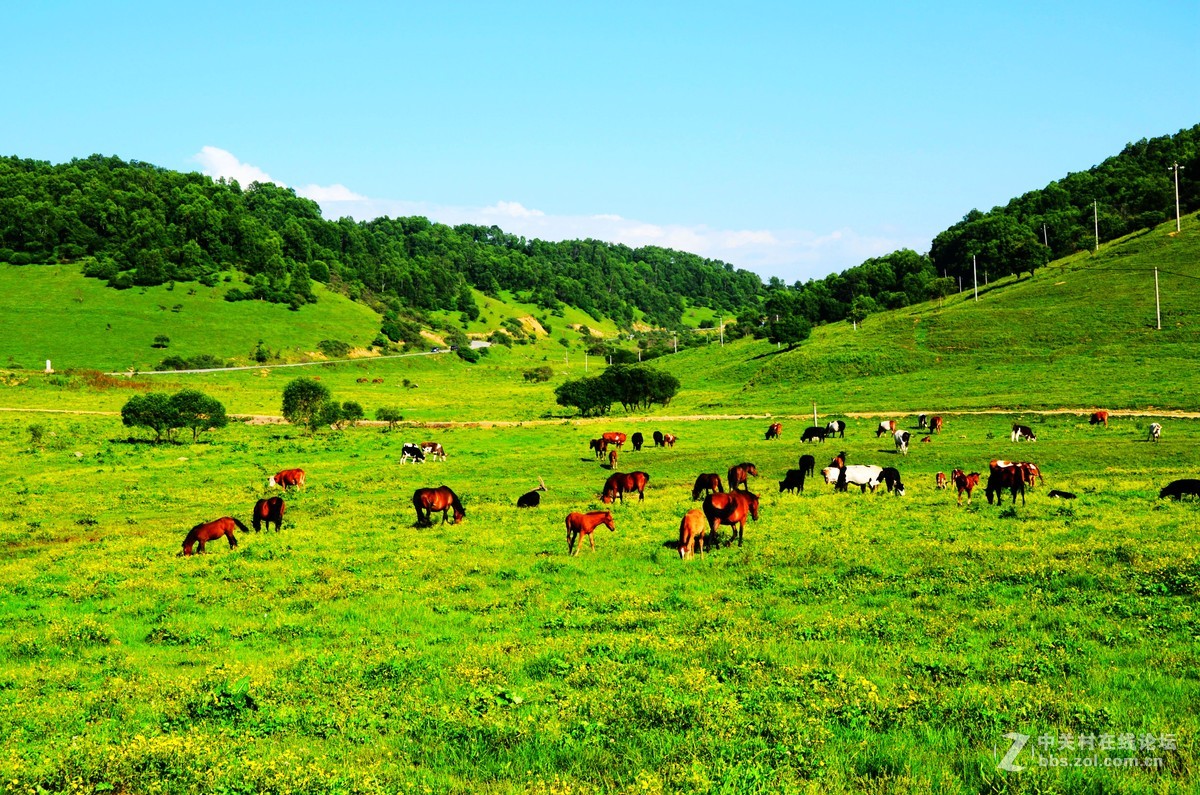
(836, 428)
(1178, 489)
(935, 425)
(612, 460)
(669, 439)
(793, 480)
(1098, 418)
(1020, 432)
(890, 477)
(433, 450)
(1061, 495)
(1155, 432)
(941, 480)
(965, 484)
(813, 432)
(532, 499)
(775, 431)
(901, 438)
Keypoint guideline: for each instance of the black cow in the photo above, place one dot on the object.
(658, 439)
(891, 477)
(638, 440)
(807, 464)
(813, 432)
(1178, 489)
(793, 480)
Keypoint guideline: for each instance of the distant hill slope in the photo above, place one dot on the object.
(1079, 333)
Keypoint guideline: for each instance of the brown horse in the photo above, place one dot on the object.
(619, 482)
(612, 460)
(287, 478)
(599, 446)
(209, 531)
(426, 501)
(738, 474)
(583, 524)
(731, 508)
(708, 483)
(268, 511)
(964, 483)
(691, 531)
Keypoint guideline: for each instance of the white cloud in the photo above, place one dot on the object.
(791, 254)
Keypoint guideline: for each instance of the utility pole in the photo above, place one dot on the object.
(814, 415)
(1045, 237)
(1157, 308)
(585, 361)
(1096, 221)
(722, 332)
(975, 276)
(1176, 168)
(675, 340)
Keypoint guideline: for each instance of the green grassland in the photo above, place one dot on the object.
(857, 642)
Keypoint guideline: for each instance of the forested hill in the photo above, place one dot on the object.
(133, 223)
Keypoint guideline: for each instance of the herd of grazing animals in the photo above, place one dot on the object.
(730, 508)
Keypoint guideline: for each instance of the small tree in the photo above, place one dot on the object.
(153, 411)
(161, 341)
(538, 374)
(36, 435)
(331, 414)
(790, 330)
(389, 415)
(592, 396)
(196, 410)
(352, 412)
(302, 402)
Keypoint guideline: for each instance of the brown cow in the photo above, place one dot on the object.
(269, 511)
(1006, 477)
(669, 439)
(775, 430)
(288, 478)
(941, 480)
(583, 524)
(613, 438)
(691, 532)
(1099, 417)
(935, 425)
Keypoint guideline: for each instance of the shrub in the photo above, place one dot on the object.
(389, 415)
(539, 374)
(161, 341)
(334, 349)
(352, 412)
(36, 434)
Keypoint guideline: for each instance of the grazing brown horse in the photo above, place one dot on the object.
(599, 446)
(612, 460)
(730, 508)
(288, 478)
(209, 531)
(691, 532)
(583, 524)
(443, 499)
(708, 483)
(268, 511)
(775, 430)
(738, 475)
(619, 482)
(613, 438)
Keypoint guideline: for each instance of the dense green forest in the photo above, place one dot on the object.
(133, 223)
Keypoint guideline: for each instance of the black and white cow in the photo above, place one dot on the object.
(1155, 432)
(920, 421)
(836, 428)
(886, 426)
(890, 476)
(862, 475)
(901, 438)
(412, 452)
(1020, 432)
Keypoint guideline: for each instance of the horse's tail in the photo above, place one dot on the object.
(240, 526)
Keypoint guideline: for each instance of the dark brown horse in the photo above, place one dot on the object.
(731, 508)
(599, 446)
(707, 483)
(209, 531)
(443, 499)
(1010, 477)
(619, 482)
(583, 524)
(268, 511)
(738, 474)
(612, 460)
(691, 531)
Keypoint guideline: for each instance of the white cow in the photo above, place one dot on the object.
(862, 475)
(1155, 432)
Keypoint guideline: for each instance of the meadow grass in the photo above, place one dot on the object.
(857, 642)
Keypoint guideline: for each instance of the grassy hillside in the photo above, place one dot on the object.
(76, 322)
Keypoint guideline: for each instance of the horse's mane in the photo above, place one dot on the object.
(458, 506)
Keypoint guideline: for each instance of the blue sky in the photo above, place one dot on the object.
(794, 139)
